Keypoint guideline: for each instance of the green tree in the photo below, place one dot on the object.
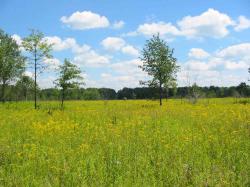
(12, 63)
(69, 78)
(91, 94)
(25, 85)
(39, 49)
(159, 63)
(194, 93)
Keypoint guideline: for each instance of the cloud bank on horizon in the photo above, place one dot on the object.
(212, 47)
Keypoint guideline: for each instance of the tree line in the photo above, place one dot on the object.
(157, 59)
(36, 50)
(23, 91)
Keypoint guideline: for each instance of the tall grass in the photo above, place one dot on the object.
(125, 143)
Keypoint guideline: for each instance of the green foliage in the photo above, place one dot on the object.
(91, 94)
(37, 46)
(132, 143)
(194, 93)
(39, 50)
(159, 63)
(12, 62)
(69, 77)
(25, 85)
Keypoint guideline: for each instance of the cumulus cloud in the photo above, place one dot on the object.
(130, 50)
(118, 24)
(198, 53)
(235, 51)
(113, 43)
(243, 23)
(59, 44)
(28, 73)
(52, 63)
(85, 56)
(210, 23)
(46, 81)
(119, 44)
(227, 66)
(236, 65)
(232, 58)
(128, 67)
(17, 38)
(85, 20)
(124, 74)
(118, 75)
(162, 28)
(197, 65)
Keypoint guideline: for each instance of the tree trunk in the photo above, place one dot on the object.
(160, 94)
(62, 98)
(3, 92)
(35, 78)
(25, 94)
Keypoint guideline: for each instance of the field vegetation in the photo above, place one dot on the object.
(125, 143)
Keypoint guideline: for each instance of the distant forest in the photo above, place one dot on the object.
(242, 90)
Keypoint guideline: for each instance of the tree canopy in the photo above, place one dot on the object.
(39, 50)
(159, 63)
(12, 63)
(69, 77)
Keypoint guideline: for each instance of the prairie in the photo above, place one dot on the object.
(125, 143)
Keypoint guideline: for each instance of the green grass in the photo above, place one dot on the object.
(125, 143)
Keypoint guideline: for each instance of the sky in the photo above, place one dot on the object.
(211, 39)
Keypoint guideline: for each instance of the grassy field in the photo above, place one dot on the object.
(125, 143)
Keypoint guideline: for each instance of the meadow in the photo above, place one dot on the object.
(125, 143)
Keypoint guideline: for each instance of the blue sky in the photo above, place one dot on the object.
(104, 38)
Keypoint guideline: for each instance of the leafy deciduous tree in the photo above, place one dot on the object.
(69, 77)
(39, 49)
(159, 63)
(24, 85)
(12, 63)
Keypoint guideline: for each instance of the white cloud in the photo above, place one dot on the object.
(52, 63)
(162, 28)
(85, 20)
(28, 73)
(46, 82)
(210, 77)
(235, 57)
(198, 53)
(19, 41)
(211, 23)
(113, 43)
(197, 65)
(105, 75)
(130, 50)
(118, 44)
(59, 44)
(85, 56)
(243, 23)
(118, 24)
(236, 51)
(129, 67)
(236, 65)
(224, 67)
(17, 38)
(124, 74)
